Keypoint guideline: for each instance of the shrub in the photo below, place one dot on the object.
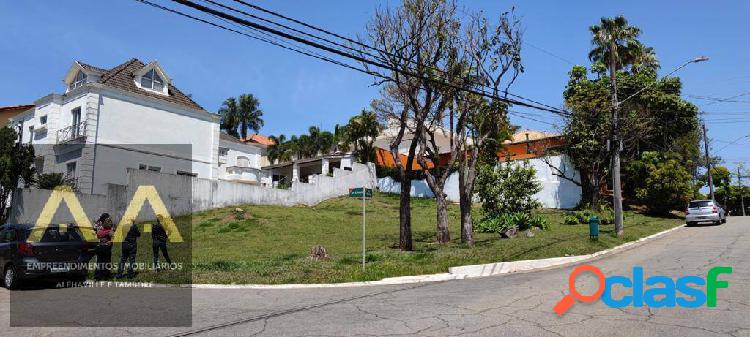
(497, 224)
(570, 219)
(507, 188)
(49, 181)
(539, 222)
(506, 221)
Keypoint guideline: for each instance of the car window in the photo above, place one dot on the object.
(54, 234)
(702, 203)
(6, 235)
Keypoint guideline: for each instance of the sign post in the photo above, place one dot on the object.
(364, 228)
(364, 193)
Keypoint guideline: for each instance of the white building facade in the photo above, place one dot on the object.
(109, 120)
(242, 161)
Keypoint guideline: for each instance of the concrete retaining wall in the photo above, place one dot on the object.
(184, 194)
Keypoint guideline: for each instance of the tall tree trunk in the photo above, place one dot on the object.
(405, 241)
(466, 177)
(443, 233)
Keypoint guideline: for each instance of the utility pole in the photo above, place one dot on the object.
(742, 195)
(708, 163)
(616, 144)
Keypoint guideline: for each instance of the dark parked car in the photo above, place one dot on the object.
(59, 253)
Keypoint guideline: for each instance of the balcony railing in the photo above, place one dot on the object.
(71, 133)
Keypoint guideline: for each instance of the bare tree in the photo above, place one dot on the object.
(495, 63)
(416, 42)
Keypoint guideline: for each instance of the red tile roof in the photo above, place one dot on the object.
(256, 138)
(122, 77)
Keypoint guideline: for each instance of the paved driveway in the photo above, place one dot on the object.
(509, 305)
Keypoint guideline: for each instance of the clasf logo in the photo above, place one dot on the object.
(656, 291)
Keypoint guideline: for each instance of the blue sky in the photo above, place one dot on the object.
(40, 39)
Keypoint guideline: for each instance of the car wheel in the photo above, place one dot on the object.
(689, 224)
(724, 220)
(10, 278)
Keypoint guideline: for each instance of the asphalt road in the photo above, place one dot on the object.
(509, 305)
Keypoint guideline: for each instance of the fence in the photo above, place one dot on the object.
(184, 194)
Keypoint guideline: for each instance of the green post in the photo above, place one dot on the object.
(594, 227)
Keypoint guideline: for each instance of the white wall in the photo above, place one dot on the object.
(122, 120)
(556, 192)
(230, 167)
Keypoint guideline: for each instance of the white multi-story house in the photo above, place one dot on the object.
(241, 161)
(109, 120)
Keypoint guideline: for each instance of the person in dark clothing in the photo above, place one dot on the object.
(129, 248)
(104, 232)
(159, 242)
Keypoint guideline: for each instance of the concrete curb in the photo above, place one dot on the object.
(489, 269)
(454, 273)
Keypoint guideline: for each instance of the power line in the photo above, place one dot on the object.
(260, 27)
(549, 53)
(357, 42)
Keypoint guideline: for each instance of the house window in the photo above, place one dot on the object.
(76, 120)
(19, 128)
(78, 81)
(223, 151)
(145, 167)
(31, 133)
(183, 173)
(70, 170)
(43, 120)
(151, 80)
(243, 161)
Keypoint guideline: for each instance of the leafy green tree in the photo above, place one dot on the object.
(239, 116)
(667, 185)
(507, 187)
(16, 166)
(657, 119)
(49, 181)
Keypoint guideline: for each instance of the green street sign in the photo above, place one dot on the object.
(357, 192)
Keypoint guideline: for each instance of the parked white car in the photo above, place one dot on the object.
(705, 211)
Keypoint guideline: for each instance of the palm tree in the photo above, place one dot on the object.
(279, 151)
(614, 36)
(340, 139)
(644, 59)
(238, 116)
(250, 115)
(615, 43)
(229, 116)
(362, 131)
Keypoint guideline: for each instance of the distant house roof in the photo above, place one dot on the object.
(122, 77)
(22, 107)
(530, 135)
(8, 112)
(525, 144)
(263, 140)
(229, 138)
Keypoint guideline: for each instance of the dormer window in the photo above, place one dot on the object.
(78, 81)
(152, 80)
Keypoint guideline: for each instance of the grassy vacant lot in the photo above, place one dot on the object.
(270, 244)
